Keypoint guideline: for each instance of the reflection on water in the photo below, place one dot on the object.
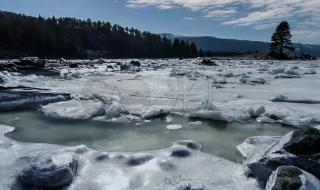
(217, 138)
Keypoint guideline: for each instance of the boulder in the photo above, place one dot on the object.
(304, 143)
(139, 159)
(135, 63)
(2, 80)
(124, 67)
(292, 178)
(33, 62)
(180, 152)
(257, 81)
(299, 148)
(51, 171)
(74, 65)
(208, 62)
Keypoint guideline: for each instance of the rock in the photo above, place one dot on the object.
(50, 171)
(2, 80)
(304, 143)
(228, 75)
(243, 80)
(74, 65)
(180, 152)
(102, 157)
(287, 76)
(192, 187)
(31, 62)
(208, 62)
(135, 63)
(139, 159)
(190, 144)
(110, 67)
(292, 178)
(265, 156)
(124, 67)
(257, 81)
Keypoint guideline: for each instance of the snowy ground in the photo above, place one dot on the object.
(225, 92)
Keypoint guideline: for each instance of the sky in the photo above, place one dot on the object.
(236, 19)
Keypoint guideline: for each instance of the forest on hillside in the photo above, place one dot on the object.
(22, 35)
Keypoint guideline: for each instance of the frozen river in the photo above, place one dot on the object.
(132, 109)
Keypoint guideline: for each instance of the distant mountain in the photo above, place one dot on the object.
(214, 44)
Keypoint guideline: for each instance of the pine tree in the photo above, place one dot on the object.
(280, 40)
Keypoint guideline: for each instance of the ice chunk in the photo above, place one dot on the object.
(174, 127)
(282, 98)
(74, 109)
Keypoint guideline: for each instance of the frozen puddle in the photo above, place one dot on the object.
(217, 138)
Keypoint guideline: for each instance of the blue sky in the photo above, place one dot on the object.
(238, 19)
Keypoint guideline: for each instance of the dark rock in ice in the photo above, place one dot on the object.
(285, 177)
(257, 81)
(102, 157)
(29, 65)
(12, 100)
(139, 159)
(310, 72)
(305, 143)
(192, 187)
(292, 178)
(208, 62)
(124, 67)
(135, 63)
(74, 65)
(287, 76)
(32, 62)
(50, 171)
(2, 80)
(190, 144)
(299, 148)
(110, 67)
(180, 152)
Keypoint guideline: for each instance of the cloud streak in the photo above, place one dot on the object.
(259, 14)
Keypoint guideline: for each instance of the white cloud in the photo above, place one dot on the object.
(259, 14)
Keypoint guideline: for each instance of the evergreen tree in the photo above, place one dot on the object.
(281, 40)
(22, 35)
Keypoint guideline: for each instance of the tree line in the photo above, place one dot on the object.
(74, 38)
